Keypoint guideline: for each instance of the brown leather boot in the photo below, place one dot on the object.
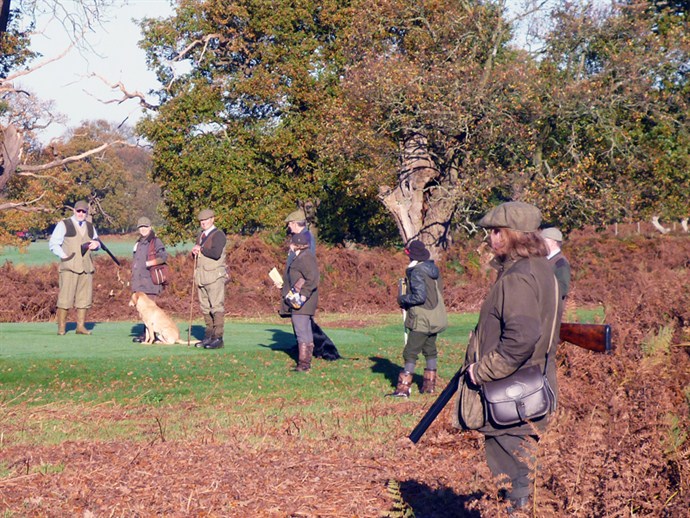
(62, 320)
(404, 384)
(429, 384)
(81, 319)
(305, 354)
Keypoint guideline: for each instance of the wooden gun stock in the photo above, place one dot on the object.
(436, 407)
(593, 337)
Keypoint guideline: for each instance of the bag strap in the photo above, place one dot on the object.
(152, 250)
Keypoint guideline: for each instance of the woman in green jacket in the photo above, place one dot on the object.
(517, 328)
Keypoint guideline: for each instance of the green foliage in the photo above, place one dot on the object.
(676, 435)
(14, 45)
(656, 346)
(238, 132)
(400, 508)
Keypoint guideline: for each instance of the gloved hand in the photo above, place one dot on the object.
(294, 299)
(401, 302)
(470, 376)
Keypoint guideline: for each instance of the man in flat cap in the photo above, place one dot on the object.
(297, 224)
(210, 276)
(73, 240)
(561, 267)
(517, 328)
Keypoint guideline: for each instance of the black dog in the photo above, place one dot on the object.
(324, 347)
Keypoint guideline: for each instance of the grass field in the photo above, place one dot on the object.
(37, 253)
(252, 374)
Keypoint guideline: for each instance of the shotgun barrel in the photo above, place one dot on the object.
(593, 337)
(107, 251)
(435, 409)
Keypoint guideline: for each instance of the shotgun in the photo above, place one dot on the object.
(593, 337)
(85, 247)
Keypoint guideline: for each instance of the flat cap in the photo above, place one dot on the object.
(300, 238)
(552, 233)
(205, 214)
(143, 222)
(81, 205)
(297, 215)
(515, 215)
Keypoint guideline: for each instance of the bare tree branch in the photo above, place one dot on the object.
(24, 205)
(126, 94)
(24, 170)
(6, 85)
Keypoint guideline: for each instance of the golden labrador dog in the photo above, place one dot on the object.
(158, 324)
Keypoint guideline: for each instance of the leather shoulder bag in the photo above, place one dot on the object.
(159, 272)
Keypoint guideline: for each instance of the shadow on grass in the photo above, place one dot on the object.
(391, 371)
(441, 502)
(282, 341)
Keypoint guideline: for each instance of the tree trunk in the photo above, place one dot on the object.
(417, 202)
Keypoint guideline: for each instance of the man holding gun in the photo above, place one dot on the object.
(73, 240)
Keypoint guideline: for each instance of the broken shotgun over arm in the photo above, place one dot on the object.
(593, 337)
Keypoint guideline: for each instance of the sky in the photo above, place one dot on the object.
(115, 56)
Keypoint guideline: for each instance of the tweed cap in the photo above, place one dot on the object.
(205, 214)
(552, 233)
(515, 215)
(143, 222)
(417, 251)
(301, 239)
(81, 205)
(297, 215)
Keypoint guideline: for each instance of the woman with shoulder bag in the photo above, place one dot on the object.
(516, 333)
(148, 251)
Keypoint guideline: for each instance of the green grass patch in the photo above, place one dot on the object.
(109, 387)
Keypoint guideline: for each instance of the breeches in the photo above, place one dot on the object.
(212, 297)
(76, 290)
(510, 457)
(301, 324)
(419, 343)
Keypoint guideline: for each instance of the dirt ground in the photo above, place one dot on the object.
(617, 445)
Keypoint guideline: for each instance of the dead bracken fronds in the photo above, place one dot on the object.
(617, 446)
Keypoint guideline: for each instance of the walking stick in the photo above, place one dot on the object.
(191, 305)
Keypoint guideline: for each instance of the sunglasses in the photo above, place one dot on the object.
(81, 211)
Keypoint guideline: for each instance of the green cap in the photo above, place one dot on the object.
(515, 215)
(81, 205)
(297, 215)
(143, 222)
